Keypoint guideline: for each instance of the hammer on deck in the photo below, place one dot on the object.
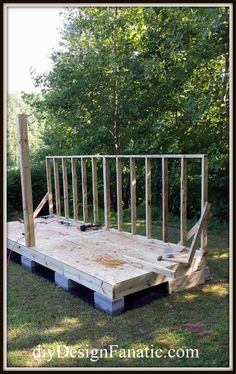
(90, 227)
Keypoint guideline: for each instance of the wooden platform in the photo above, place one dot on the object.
(112, 263)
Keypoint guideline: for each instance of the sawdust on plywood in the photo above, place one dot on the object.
(109, 261)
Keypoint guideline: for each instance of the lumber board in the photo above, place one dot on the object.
(107, 198)
(119, 194)
(41, 205)
(136, 284)
(49, 185)
(65, 187)
(148, 197)
(204, 199)
(149, 258)
(183, 202)
(165, 199)
(198, 156)
(198, 232)
(191, 232)
(151, 267)
(26, 185)
(133, 196)
(95, 190)
(74, 188)
(84, 189)
(57, 187)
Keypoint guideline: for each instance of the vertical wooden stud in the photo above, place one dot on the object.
(133, 195)
(183, 202)
(106, 184)
(119, 193)
(49, 185)
(95, 190)
(65, 187)
(57, 188)
(165, 199)
(26, 185)
(204, 199)
(74, 187)
(148, 197)
(84, 189)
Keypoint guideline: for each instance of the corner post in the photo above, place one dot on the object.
(26, 185)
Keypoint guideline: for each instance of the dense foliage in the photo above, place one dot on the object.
(141, 80)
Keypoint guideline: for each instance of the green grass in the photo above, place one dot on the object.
(40, 313)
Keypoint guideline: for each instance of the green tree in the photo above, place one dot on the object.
(140, 80)
(17, 105)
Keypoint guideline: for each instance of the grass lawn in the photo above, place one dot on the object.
(40, 313)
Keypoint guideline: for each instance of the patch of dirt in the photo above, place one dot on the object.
(109, 261)
(197, 328)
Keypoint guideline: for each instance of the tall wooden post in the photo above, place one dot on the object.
(26, 186)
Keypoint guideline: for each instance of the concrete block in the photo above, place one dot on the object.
(109, 306)
(29, 264)
(206, 272)
(64, 282)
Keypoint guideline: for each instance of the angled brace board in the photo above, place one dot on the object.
(198, 232)
(186, 257)
(41, 205)
(191, 232)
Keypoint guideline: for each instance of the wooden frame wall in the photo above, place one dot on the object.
(29, 215)
(184, 235)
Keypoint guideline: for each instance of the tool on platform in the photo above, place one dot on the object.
(90, 227)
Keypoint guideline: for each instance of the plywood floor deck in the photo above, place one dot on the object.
(93, 258)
